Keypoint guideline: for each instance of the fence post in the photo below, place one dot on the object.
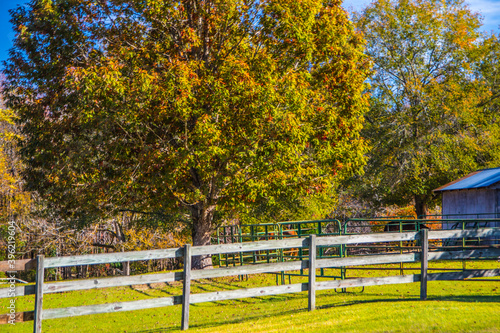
(312, 272)
(424, 237)
(126, 266)
(186, 290)
(40, 270)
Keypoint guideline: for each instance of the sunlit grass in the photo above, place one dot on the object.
(452, 306)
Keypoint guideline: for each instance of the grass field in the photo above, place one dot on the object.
(452, 306)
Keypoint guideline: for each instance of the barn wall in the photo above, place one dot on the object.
(498, 202)
(471, 202)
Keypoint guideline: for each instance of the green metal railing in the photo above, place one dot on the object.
(280, 230)
(247, 233)
(301, 229)
(460, 216)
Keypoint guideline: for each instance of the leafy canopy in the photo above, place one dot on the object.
(196, 105)
(424, 121)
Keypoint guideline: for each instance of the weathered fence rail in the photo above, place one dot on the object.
(19, 265)
(312, 264)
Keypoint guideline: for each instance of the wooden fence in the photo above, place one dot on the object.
(312, 243)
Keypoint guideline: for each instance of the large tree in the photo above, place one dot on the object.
(488, 71)
(425, 123)
(193, 106)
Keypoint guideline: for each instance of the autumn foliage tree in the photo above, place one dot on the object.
(426, 123)
(192, 106)
(14, 201)
(488, 71)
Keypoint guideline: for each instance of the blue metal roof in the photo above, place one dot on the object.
(477, 179)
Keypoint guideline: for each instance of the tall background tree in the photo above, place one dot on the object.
(425, 123)
(185, 107)
(14, 201)
(488, 71)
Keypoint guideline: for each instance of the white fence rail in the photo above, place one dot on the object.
(312, 264)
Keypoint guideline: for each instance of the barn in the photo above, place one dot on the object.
(475, 196)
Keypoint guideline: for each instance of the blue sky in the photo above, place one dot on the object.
(489, 9)
(6, 33)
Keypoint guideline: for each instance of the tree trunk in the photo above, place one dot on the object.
(420, 206)
(202, 231)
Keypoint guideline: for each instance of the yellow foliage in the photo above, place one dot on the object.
(13, 200)
(406, 212)
(148, 238)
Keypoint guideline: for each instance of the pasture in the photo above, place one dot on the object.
(452, 306)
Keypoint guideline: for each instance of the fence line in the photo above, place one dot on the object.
(312, 264)
(121, 281)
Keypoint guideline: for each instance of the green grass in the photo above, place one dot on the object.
(452, 306)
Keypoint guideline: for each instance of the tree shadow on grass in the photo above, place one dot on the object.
(244, 317)
(457, 298)
(249, 318)
(237, 320)
(468, 299)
